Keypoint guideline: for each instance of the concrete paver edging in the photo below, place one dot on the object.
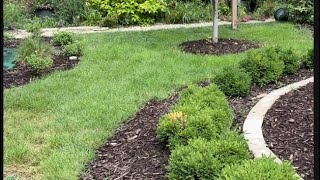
(48, 32)
(252, 127)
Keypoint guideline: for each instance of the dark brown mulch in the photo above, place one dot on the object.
(224, 46)
(134, 152)
(288, 129)
(22, 74)
(242, 105)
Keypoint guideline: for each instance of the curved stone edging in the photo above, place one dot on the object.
(252, 127)
(48, 32)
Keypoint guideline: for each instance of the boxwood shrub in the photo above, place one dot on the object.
(262, 168)
(290, 59)
(202, 159)
(233, 81)
(264, 66)
(206, 114)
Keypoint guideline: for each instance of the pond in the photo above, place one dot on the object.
(9, 57)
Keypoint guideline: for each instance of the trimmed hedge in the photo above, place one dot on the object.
(206, 114)
(203, 159)
(290, 59)
(264, 66)
(233, 81)
(308, 60)
(262, 169)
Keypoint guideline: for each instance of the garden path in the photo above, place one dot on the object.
(48, 32)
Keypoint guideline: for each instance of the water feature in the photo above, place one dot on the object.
(9, 57)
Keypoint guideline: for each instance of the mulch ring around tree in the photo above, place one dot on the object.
(134, 152)
(288, 129)
(21, 74)
(224, 46)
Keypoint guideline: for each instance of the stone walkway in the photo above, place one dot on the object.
(48, 32)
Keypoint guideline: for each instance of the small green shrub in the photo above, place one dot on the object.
(291, 60)
(309, 59)
(264, 66)
(109, 21)
(233, 81)
(202, 159)
(206, 114)
(63, 38)
(39, 61)
(262, 169)
(31, 45)
(74, 49)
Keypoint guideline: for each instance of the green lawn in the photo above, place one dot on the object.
(53, 126)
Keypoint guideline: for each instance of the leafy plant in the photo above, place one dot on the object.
(202, 159)
(74, 49)
(131, 11)
(91, 17)
(13, 16)
(233, 81)
(188, 12)
(264, 66)
(39, 61)
(262, 168)
(63, 38)
(265, 10)
(301, 11)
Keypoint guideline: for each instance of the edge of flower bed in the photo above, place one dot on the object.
(252, 127)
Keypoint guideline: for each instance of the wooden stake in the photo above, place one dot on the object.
(234, 18)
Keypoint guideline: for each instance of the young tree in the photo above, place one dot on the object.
(215, 5)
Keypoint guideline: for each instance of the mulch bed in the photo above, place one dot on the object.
(134, 152)
(22, 74)
(224, 46)
(288, 129)
(242, 105)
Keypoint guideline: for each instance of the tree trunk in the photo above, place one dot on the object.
(215, 4)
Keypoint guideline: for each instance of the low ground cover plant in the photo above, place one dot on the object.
(261, 168)
(233, 81)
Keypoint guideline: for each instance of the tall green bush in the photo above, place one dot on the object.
(301, 11)
(131, 11)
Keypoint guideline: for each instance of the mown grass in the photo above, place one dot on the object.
(53, 125)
